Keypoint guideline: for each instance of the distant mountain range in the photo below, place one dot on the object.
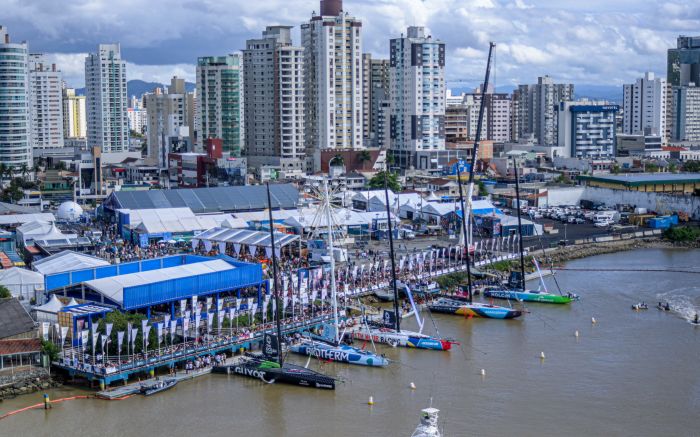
(611, 93)
(139, 87)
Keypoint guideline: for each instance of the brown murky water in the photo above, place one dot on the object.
(631, 374)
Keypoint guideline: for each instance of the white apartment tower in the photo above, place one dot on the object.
(74, 122)
(45, 103)
(169, 118)
(417, 95)
(15, 130)
(106, 100)
(333, 75)
(273, 77)
(644, 106)
(536, 109)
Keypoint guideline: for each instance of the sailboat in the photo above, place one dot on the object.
(467, 307)
(270, 367)
(327, 346)
(517, 290)
(389, 331)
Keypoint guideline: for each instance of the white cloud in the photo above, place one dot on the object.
(593, 41)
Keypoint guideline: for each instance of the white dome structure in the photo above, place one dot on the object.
(69, 211)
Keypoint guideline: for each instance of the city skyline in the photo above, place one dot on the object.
(595, 43)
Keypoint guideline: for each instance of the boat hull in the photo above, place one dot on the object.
(475, 310)
(527, 296)
(287, 374)
(403, 339)
(340, 354)
(153, 389)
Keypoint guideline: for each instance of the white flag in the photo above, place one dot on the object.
(173, 328)
(64, 333)
(120, 340)
(134, 333)
(45, 330)
(146, 335)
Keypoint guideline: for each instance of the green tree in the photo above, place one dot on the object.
(651, 168)
(615, 169)
(392, 181)
(691, 166)
(24, 169)
(364, 156)
(4, 292)
(49, 349)
(337, 160)
(482, 189)
(60, 165)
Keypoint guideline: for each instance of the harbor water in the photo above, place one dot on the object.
(629, 374)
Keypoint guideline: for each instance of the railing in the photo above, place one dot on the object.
(76, 358)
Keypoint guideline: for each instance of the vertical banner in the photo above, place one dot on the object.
(222, 247)
(209, 304)
(210, 321)
(45, 330)
(220, 319)
(194, 302)
(197, 320)
(146, 333)
(120, 341)
(134, 333)
(238, 304)
(64, 333)
(183, 306)
(84, 337)
(173, 328)
(219, 305)
(159, 332)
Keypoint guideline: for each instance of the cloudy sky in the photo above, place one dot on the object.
(586, 42)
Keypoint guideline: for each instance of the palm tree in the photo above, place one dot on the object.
(364, 156)
(3, 170)
(24, 169)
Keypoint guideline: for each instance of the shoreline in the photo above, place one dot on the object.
(563, 254)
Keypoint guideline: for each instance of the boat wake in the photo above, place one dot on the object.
(684, 302)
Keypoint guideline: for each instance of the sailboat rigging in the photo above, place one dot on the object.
(469, 308)
(328, 346)
(390, 332)
(518, 291)
(270, 366)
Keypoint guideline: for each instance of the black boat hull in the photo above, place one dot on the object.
(288, 374)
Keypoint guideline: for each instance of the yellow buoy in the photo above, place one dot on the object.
(593, 320)
(370, 401)
(412, 385)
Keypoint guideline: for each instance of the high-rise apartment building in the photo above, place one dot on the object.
(332, 44)
(15, 126)
(273, 71)
(417, 75)
(686, 107)
(169, 119)
(220, 102)
(106, 100)
(587, 129)
(644, 106)
(497, 116)
(74, 116)
(375, 100)
(45, 103)
(683, 66)
(537, 105)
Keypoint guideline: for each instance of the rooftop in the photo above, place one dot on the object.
(645, 178)
(200, 200)
(14, 319)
